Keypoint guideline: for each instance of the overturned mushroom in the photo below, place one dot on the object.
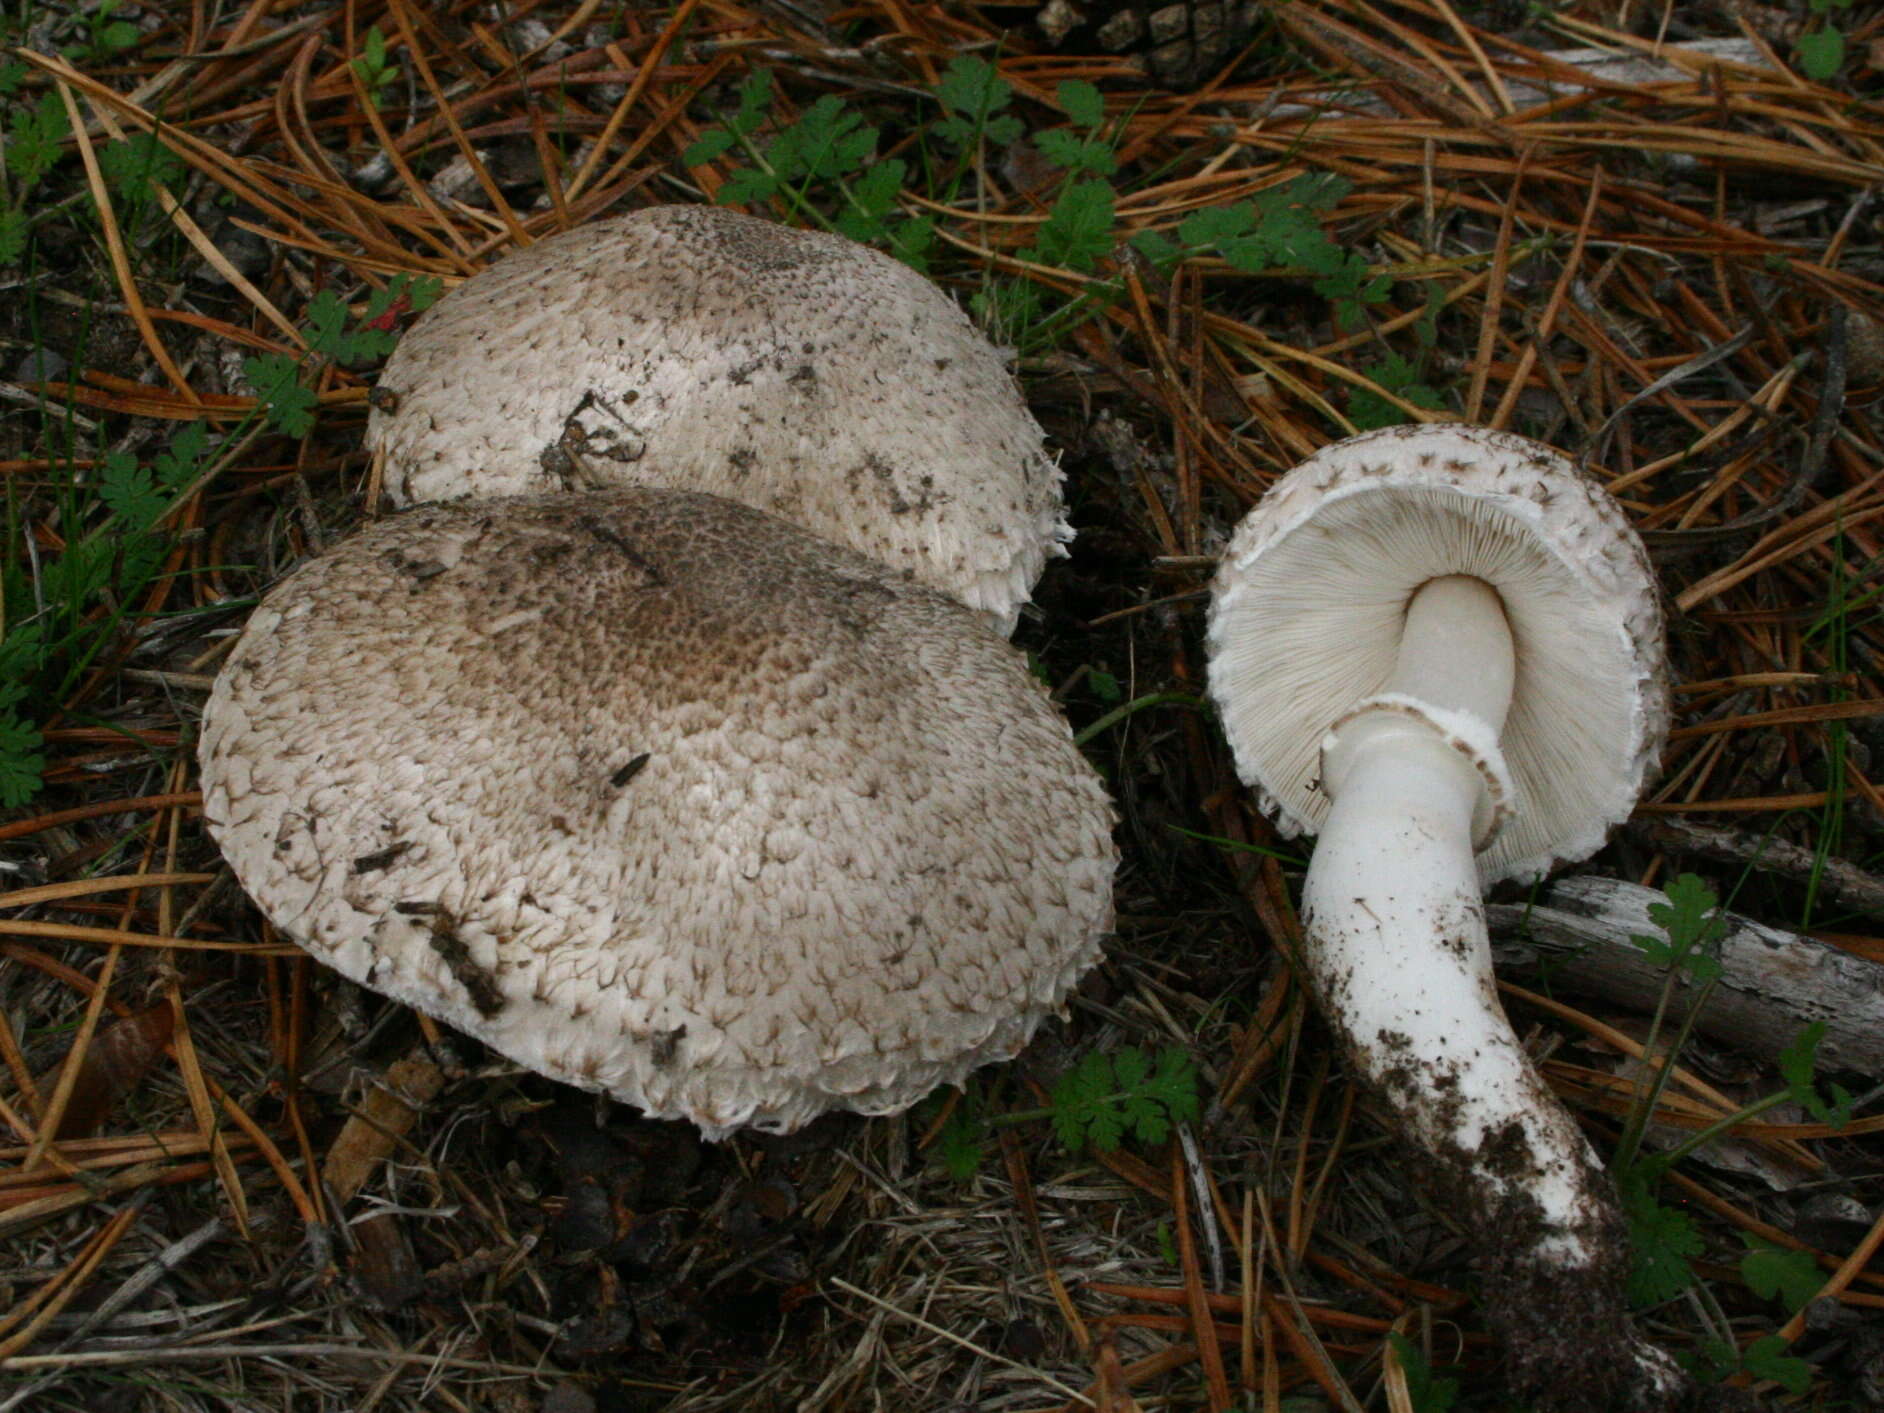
(662, 797)
(1440, 649)
(693, 347)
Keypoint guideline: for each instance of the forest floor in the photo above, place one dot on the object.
(1649, 235)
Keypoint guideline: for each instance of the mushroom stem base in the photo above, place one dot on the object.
(1397, 951)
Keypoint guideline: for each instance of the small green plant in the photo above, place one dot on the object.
(1775, 1273)
(1822, 50)
(104, 37)
(1664, 1239)
(974, 99)
(77, 599)
(62, 611)
(1084, 150)
(1106, 1096)
(829, 147)
(1764, 1358)
(1426, 1391)
(1277, 231)
(276, 377)
(32, 134)
(1367, 409)
(374, 70)
(1097, 1103)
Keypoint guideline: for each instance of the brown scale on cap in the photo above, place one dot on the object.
(694, 347)
(660, 796)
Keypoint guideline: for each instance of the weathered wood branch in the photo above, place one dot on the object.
(1772, 982)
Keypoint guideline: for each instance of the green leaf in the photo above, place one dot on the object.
(375, 54)
(130, 491)
(910, 241)
(1078, 230)
(1661, 1240)
(755, 101)
(1104, 685)
(1775, 1273)
(401, 293)
(325, 323)
(132, 165)
(1822, 53)
(1766, 1358)
(972, 92)
(874, 193)
(1692, 921)
(1157, 247)
(22, 764)
(33, 141)
(1798, 1064)
(177, 464)
(22, 657)
(1079, 154)
(1351, 288)
(13, 229)
(714, 142)
(958, 1147)
(1165, 1097)
(117, 37)
(1426, 1391)
(1689, 916)
(1082, 1111)
(829, 141)
(277, 380)
(1081, 102)
(746, 185)
(1105, 1096)
(12, 74)
(1367, 409)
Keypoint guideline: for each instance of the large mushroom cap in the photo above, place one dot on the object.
(691, 346)
(660, 796)
(1312, 594)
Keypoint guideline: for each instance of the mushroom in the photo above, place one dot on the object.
(694, 347)
(1440, 649)
(660, 796)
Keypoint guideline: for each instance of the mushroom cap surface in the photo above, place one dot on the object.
(694, 347)
(660, 796)
(1306, 618)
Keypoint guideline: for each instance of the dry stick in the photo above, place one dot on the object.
(1203, 1327)
(69, 1071)
(183, 1047)
(1847, 1271)
(402, 15)
(644, 75)
(1017, 1174)
(1301, 1336)
(114, 243)
(1548, 323)
(58, 1291)
(87, 887)
(421, 193)
(1079, 1398)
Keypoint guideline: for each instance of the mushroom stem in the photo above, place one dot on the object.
(1455, 650)
(1396, 929)
(1396, 946)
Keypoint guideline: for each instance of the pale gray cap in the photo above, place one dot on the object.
(660, 796)
(691, 346)
(1311, 595)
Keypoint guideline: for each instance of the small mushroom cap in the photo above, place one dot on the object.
(658, 795)
(691, 346)
(1312, 593)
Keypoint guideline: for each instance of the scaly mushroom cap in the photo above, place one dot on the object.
(660, 796)
(694, 347)
(1311, 595)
